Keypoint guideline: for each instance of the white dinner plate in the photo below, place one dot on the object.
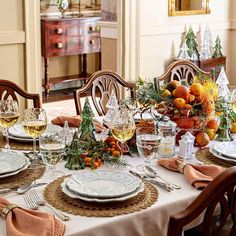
(10, 162)
(17, 131)
(75, 195)
(103, 183)
(219, 156)
(227, 149)
(19, 170)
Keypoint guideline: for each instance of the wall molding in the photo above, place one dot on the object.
(108, 29)
(180, 28)
(12, 37)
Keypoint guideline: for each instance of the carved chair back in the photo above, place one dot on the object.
(99, 86)
(181, 70)
(10, 90)
(221, 192)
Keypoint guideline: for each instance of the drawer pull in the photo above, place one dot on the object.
(59, 45)
(92, 42)
(59, 30)
(92, 28)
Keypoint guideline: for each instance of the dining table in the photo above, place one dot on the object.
(150, 221)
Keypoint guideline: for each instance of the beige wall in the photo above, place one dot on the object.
(12, 42)
(161, 36)
(109, 54)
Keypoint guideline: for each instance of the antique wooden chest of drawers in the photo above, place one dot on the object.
(68, 36)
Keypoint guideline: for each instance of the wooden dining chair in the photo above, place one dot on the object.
(99, 86)
(181, 70)
(10, 90)
(221, 193)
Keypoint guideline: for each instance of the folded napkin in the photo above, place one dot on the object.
(25, 222)
(197, 175)
(74, 121)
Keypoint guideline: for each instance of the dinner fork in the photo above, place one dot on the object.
(40, 202)
(30, 203)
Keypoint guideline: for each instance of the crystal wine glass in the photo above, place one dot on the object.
(9, 115)
(123, 126)
(52, 149)
(34, 124)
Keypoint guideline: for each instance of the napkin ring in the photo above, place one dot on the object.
(181, 166)
(7, 209)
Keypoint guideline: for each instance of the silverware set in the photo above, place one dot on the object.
(151, 177)
(33, 201)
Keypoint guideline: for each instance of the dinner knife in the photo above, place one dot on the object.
(155, 182)
(6, 190)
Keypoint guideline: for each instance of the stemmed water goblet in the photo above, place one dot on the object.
(9, 115)
(52, 149)
(123, 127)
(34, 124)
(148, 142)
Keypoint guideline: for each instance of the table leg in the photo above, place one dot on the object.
(46, 76)
(84, 68)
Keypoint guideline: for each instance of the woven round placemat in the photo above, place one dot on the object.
(205, 156)
(16, 145)
(24, 177)
(59, 200)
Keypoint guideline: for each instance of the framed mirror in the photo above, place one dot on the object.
(188, 7)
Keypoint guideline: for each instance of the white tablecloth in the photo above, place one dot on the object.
(149, 222)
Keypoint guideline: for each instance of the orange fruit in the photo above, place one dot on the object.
(179, 102)
(233, 128)
(202, 139)
(211, 133)
(187, 107)
(182, 92)
(165, 93)
(172, 85)
(191, 98)
(212, 124)
(173, 93)
(196, 89)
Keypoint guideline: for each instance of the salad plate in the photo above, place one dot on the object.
(103, 183)
(10, 162)
(227, 149)
(221, 157)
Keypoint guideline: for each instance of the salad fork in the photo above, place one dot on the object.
(40, 202)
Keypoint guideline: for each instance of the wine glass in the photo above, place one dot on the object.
(148, 142)
(34, 124)
(52, 149)
(9, 115)
(123, 126)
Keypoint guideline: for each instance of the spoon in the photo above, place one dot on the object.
(153, 174)
(22, 189)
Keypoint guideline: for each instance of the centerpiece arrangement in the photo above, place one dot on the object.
(196, 107)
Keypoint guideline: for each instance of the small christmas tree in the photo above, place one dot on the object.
(86, 127)
(74, 161)
(206, 46)
(112, 106)
(183, 54)
(222, 83)
(217, 52)
(191, 43)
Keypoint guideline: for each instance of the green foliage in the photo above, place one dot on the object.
(146, 93)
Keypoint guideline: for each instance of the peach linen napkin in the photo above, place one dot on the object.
(197, 175)
(25, 222)
(74, 121)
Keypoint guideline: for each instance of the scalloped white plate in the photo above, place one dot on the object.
(18, 171)
(227, 149)
(103, 183)
(75, 195)
(10, 162)
(219, 156)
